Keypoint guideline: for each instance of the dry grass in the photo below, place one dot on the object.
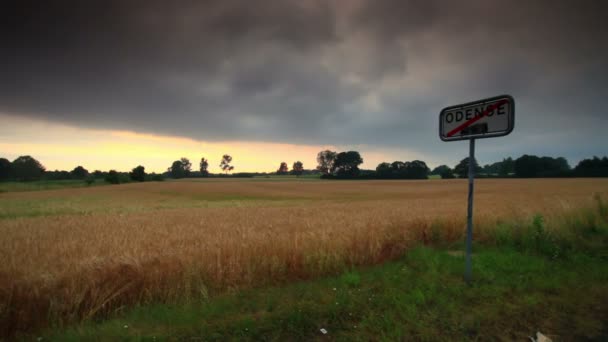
(77, 253)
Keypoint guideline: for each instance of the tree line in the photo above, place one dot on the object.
(27, 168)
(330, 165)
(528, 166)
(182, 168)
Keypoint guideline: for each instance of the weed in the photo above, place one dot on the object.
(351, 279)
(601, 206)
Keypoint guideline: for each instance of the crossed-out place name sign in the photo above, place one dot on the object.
(493, 117)
(489, 118)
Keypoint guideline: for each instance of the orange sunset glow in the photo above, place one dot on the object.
(62, 147)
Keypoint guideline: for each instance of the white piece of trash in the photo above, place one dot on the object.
(323, 331)
(540, 338)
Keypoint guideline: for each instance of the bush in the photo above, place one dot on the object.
(89, 180)
(113, 177)
(155, 177)
(138, 174)
(447, 174)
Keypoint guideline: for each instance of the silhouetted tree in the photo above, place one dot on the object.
(180, 168)
(441, 169)
(89, 180)
(595, 167)
(6, 169)
(97, 173)
(177, 170)
(398, 169)
(384, 170)
(203, 165)
(417, 169)
(113, 177)
(447, 174)
(26, 168)
(347, 164)
(489, 169)
(282, 169)
(325, 161)
(186, 166)
(502, 168)
(529, 166)
(225, 164)
(444, 171)
(507, 167)
(138, 174)
(156, 177)
(79, 172)
(57, 175)
(462, 169)
(297, 168)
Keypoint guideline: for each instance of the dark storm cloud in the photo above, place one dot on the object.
(323, 72)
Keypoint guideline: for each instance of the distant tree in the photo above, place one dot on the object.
(113, 177)
(186, 166)
(384, 170)
(79, 172)
(447, 174)
(490, 169)
(325, 161)
(203, 165)
(26, 168)
(138, 174)
(225, 163)
(398, 169)
(441, 169)
(530, 166)
(97, 173)
(6, 169)
(347, 164)
(462, 169)
(90, 179)
(297, 168)
(417, 169)
(180, 168)
(57, 175)
(507, 167)
(595, 167)
(177, 170)
(560, 164)
(283, 169)
(156, 177)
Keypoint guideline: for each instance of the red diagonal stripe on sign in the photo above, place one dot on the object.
(475, 119)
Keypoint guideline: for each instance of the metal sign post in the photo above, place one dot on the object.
(488, 118)
(469, 242)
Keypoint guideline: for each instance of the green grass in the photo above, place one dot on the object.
(46, 185)
(419, 297)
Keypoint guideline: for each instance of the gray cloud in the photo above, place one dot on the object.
(325, 72)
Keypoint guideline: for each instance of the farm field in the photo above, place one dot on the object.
(83, 253)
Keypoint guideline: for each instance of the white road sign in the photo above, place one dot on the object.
(493, 117)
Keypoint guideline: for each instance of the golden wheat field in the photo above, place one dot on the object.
(72, 254)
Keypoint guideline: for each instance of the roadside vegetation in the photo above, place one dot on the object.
(421, 296)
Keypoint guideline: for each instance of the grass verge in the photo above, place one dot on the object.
(420, 297)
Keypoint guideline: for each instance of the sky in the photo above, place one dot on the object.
(115, 84)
